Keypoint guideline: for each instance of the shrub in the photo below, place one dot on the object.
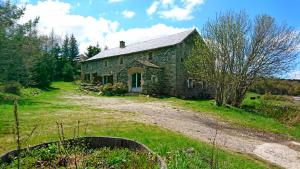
(284, 113)
(269, 96)
(111, 90)
(11, 87)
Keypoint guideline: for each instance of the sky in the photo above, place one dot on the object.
(109, 21)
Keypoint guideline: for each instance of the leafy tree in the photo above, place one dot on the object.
(92, 51)
(29, 58)
(19, 44)
(237, 51)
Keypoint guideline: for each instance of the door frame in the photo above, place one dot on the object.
(132, 71)
(135, 88)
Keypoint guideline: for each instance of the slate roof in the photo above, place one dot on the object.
(165, 41)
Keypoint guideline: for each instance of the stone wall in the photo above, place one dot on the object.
(165, 58)
(171, 75)
(199, 89)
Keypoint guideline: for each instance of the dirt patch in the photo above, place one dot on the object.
(202, 127)
(279, 154)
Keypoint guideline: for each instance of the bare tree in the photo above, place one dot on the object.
(236, 50)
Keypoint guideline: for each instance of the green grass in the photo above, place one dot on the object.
(49, 106)
(53, 155)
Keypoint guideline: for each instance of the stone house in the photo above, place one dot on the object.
(150, 67)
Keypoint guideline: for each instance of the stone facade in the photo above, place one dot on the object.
(162, 70)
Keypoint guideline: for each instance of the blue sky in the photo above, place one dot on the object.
(283, 10)
(109, 21)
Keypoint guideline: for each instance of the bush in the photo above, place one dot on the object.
(111, 90)
(269, 96)
(11, 87)
(288, 114)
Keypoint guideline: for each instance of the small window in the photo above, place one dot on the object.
(121, 60)
(150, 56)
(87, 77)
(154, 79)
(107, 79)
(190, 83)
(105, 63)
(181, 59)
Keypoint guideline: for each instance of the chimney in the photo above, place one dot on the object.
(122, 44)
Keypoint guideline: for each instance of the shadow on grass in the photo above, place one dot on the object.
(48, 89)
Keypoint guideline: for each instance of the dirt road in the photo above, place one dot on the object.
(274, 149)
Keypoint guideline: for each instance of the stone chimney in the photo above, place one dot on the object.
(122, 44)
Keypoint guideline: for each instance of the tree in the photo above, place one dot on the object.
(73, 49)
(41, 75)
(68, 72)
(19, 44)
(92, 51)
(237, 51)
(66, 49)
(59, 64)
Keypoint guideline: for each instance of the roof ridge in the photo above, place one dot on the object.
(164, 36)
(192, 29)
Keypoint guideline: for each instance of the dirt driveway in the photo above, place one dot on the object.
(276, 150)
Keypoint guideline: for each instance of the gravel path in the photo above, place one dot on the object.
(269, 147)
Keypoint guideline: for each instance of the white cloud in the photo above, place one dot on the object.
(140, 34)
(152, 9)
(295, 75)
(56, 15)
(128, 14)
(169, 10)
(88, 30)
(114, 1)
(167, 2)
(177, 14)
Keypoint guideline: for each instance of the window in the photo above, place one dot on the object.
(108, 79)
(150, 56)
(105, 63)
(105, 80)
(181, 59)
(154, 79)
(121, 60)
(190, 83)
(87, 77)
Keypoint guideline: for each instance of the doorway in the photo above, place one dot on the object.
(136, 82)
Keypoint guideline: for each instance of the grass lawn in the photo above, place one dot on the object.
(44, 108)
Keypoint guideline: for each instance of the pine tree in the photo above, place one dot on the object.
(58, 61)
(73, 49)
(66, 49)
